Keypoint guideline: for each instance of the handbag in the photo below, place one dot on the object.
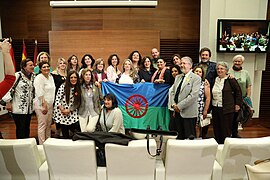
(98, 125)
(101, 138)
(244, 114)
(206, 121)
(157, 134)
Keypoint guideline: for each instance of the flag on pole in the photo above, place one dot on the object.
(24, 53)
(11, 52)
(35, 53)
(141, 104)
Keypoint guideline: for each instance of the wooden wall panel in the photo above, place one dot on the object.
(28, 19)
(101, 43)
(173, 18)
(168, 47)
(76, 19)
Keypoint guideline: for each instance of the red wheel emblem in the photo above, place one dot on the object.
(136, 106)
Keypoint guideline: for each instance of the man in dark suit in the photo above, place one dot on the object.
(185, 92)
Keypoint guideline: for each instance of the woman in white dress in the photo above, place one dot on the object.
(43, 102)
(113, 72)
(129, 75)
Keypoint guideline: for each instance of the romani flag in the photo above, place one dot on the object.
(24, 53)
(35, 53)
(141, 104)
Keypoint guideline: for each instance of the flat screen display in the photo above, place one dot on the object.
(249, 36)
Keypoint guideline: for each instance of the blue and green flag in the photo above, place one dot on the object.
(141, 104)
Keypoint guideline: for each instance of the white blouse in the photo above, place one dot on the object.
(111, 74)
(44, 87)
(113, 121)
(125, 79)
(217, 92)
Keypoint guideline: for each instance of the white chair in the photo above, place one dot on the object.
(22, 159)
(259, 171)
(71, 160)
(130, 162)
(190, 159)
(235, 153)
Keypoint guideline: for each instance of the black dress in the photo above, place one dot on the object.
(58, 81)
(166, 77)
(146, 75)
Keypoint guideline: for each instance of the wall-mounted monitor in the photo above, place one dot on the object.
(249, 36)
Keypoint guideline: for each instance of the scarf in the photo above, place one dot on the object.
(237, 68)
(161, 75)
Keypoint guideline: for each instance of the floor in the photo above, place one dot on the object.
(250, 130)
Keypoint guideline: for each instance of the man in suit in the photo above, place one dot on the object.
(185, 92)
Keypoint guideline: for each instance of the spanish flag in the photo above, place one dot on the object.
(35, 52)
(24, 53)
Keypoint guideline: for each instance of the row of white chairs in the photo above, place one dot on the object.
(59, 159)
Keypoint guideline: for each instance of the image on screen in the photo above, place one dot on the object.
(243, 36)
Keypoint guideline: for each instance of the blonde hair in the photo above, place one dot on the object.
(58, 62)
(133, 72)
(40, 54)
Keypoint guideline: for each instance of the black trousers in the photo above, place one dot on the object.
(75, 127)
(222, 124)
(235, 125)
(22, 122)
(186, 127)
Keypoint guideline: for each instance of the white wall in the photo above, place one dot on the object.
(211, 10)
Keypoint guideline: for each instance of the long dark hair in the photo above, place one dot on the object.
(69, 67)
(110, 59)
(83, 62)
(77, 89)
(140, 56)
(179, 72)
(142, 67)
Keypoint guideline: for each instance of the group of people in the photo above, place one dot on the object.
(71, 95)
(208, 87)
(248, 42)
